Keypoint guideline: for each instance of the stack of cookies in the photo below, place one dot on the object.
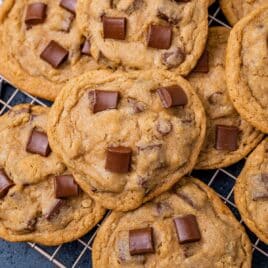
(144, 92)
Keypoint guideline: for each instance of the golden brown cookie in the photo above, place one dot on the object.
(228, 137)
(187, 227)
(39, 199)
(251, 192)
(127, 136)
(246, 68)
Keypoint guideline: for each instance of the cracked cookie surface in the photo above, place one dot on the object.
(251, 192)
(212, 90)
(234, 10)
(222, 243)
(187, 21)
(29, 207)
(246, 68)
(22, 44)
(164, 142)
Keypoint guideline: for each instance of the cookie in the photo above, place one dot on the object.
(246, 68)
(187, 227)
(41, 46)
(251, 192)
(228, 137)
(39, 199)
(145, 34)
(127, 137)
(234, 10)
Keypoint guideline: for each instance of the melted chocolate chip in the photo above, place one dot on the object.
(31, 225)
(165, 17)
(36, 14)
(226, 137)
(186, 199)
(38, 143)
(163, 126)
(114, 28)
(141, 241)
(55, 209)
(54, 54)
(172, 96)
(159, 36)
(173, 58)
(103, 100)
(118, 159)
(202, 65)
(187, 229)
(5, 183)
(65, 186)
(69, 5)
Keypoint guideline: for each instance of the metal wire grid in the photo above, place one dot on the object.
(221, 180)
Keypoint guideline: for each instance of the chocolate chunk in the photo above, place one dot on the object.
(103, 100)
(31, 224)
(264, 178)
(65, 186)
(38, 143)
(163, 126)
(114, 28)
(187, 229)
(55, 209)
(86, 48)
(259, 196)
(54, 54)
(165, 17)
(36, 13)
(67, 23)
(141, 241)
(202, 64)
(173, 58)
(159, 36)
(172, 96)
(5, 183)
(70, 5)
(118, 159)
(226, 137)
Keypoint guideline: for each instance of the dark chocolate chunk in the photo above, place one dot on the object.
(141, 241)
(38, 143)
(5, 183)
(86, 48)
(118, 159)
(36, 13)
(226, 137)
(159, 36)
(187, 229)
(163, 126)
(172, 96)
(103, 100)
(54, 54)
(202, 65)
(114, 28)
(70, 5)
(173, 58)
(67, 23)
(55, 209)
(65, 186)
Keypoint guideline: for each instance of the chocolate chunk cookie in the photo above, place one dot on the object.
(187, 227)
(41, 46)
(39, 199)
(127, 136)
(145, 34)
(234, 10)
(246, 68)
(228, 138)
(251, 192)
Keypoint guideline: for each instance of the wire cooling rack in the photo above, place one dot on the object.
(78, 253)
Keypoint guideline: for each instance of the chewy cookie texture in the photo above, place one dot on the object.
(234, 10)
(127, 137)
(39, 199)
(246, 68)
(41, 46)
(188, 226)
(228, 137)
(145, 34)
(251, 192)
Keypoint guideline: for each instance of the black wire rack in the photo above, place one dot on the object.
(78, 253)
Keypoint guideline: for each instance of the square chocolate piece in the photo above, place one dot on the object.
(159, 36)
(65, 186)
(35, 14)
(226, 137)
(114, 28)
(141, 241)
